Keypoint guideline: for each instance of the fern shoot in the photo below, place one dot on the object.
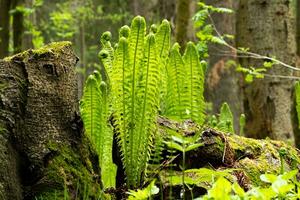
(94, 112)
(225, 119)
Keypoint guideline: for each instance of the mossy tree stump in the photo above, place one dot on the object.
(43, 148)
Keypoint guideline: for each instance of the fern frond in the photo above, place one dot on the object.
(175, 81)
(148, 103)
(121, 90)
(193, 101)
(162, 38)
(225, 119)
(297, 91)
(124, 31)
(94, 112)
(136, 48)
(90, 110)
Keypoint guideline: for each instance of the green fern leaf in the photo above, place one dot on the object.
(148, 103)
(175, 87)
(297, 91)
(193, 100)
(94, 112)
(136, 48)
(225, 119)
(162, 38)
(91, 112)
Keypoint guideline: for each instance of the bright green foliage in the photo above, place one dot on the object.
(192, 98)
(278, 187)
(225, 119)
(94, 112)
(202, 177)
(135, 88)
(145, 193)
(162, 37)
(107, 53)
(175, 84)
(185, 85)
(297, 92)
(242, 124)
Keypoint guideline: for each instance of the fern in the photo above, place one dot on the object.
(94, 112)
(135, 80)
(225, 119)
(297, 91)
(91, 112)
(162, 37)
(175, 87)
(193, 99)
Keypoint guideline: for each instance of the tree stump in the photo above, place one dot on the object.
(43, 151)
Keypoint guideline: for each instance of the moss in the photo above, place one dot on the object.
(68, 169)
(54, 48)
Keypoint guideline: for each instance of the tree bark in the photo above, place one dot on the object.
(43, 148)
(182, 21)
(4, 27)
(222, 82)
(267, 28)
(298, 26)
(18, 26)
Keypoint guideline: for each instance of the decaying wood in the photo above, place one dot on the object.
(43, 150)
(248, 158)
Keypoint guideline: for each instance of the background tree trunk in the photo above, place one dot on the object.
(182, 22)
(4, 27)
(43, 148)
(18, 25)
(267, 28)
(222, 80)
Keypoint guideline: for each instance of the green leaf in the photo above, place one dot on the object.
(193, 147)
(145, 193)
(226, 119)
(220, 190)
(193, 99)
(297, 91)
(174, 145)
(249, 78)
(268, 178)
(238, 190)
(175, 84)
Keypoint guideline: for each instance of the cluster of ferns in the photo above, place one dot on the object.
(144, 78)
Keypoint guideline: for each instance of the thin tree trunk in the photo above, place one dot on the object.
(18, 26)
(4, 27)
(222, 83)
(182, 21)
(27, 39)
(267, 28)
(298, 26)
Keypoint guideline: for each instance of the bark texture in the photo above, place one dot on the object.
(267, 28)
(4, 27)
(44, 149)
(222, 82)
(18, 25)
(182, 21)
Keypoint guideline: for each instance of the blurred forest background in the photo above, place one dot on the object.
(267, 28)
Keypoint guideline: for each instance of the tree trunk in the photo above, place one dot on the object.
(298, 26)
(222, 83)
(18, 26)
(267, 28)
(4, 27)
(43, 148)
(182, 21)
